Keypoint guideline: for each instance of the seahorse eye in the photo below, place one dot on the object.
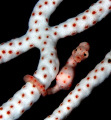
(84, 54)
(75, 49)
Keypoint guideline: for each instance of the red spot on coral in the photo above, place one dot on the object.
(32, 92)
(54, 2)
(100, 9)
(10, 52)
(8, 112)
(11, 106)
(74, 24)
(61, 104)
(76, 96)
(19, 101)
(50, 61)
(47, 36)
(84, 17)
(87, 85)
(92, 4)
(35, 72)
(54, 68)
(10, 99)
(0, 57)
(23, 95)
(96, 70)
(43, 68)
(73, 33)
(88, 78)
(22, 111)
(18, 53)
(42, 49)
(40, 6)
(49, 116)
(70, 93)
(3, 51)
(100, 1)
(31, 45)
(42, 58)
(76, 19)
(46, 29)
(69, 100)
(47, 20)
(10, 43)
(39, 37)
(45, 2)
(45, 42)
(1, 116)
(93, 12)
(68, 108)
(59, 111)
(94, 22)
(27, 38)
(40, 13)
(55, 33)
(56, 118)
(86, 27)
(20, 43)
(56, 27)
(35, 21)
(45, 76)
(1, 108)
(33, 14)
(77, 84)
(79, 89)
(36, 30)
(31, 103)
(109, 7)
(65, 25)
(102, 61)
(51, 54)
(95, 77)
(102, 69)
(87, 10)
(24, 86)
(30, 30)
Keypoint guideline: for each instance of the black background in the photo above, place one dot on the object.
(14, 16)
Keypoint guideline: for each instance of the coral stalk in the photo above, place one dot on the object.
(19, 103)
